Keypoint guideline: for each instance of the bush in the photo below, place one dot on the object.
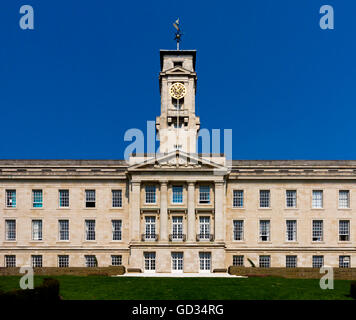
(49, 290)
(353, 289)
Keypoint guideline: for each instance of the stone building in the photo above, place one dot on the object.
(177, 211)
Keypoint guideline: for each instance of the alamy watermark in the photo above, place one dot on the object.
(327, 281)
(26, 281)
(27, 20)
(210, 145)
(327, 20)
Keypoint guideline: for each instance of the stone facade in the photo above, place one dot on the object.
(187, 223)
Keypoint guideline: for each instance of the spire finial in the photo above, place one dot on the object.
(178, 33)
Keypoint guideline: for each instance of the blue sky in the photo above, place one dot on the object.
(89, 71)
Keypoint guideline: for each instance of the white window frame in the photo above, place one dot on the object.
(150, 194)
(204, 228)
(150, 228)
(238, 229)
(317, 199)
(90, 197)
(291, 199)
(116, 197)
(116, 226)
(174, 193)
(204, 195)
(265, 232)
(10, 230)
(264, 199)
(66, 198)
(149, 262)
(37, 235)
(63, 261)
(34, 191)
(116, 260)
(238, 260)
(177, 259)
(177, 228)
(37, 261)
(291, 227)
(264, 261)
(344, 203)
(237, 198)
(344, 231)
(90, 229)
(315, 263)
(291, 261)
(204, 262)
(91, 261)
(318, 232)
(344, 261)
(9, 200)
(62, 231)
(10, 261)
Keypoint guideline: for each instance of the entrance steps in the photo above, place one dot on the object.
(180, 275)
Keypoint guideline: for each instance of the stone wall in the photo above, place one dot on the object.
(302, 273)
(52, 271)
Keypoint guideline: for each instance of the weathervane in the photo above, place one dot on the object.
(178, 34)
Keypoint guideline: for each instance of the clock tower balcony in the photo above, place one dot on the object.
(175, 113)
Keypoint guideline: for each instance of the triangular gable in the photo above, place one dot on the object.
(177, 70)
(177, 160)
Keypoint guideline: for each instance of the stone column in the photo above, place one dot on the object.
(191, 209)
(163, 213)
(219, 213)
(135, 211)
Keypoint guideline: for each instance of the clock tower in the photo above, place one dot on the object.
(178, 126)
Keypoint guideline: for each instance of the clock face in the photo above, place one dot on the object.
(177, 90)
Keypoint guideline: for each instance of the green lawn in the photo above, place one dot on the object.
(269, 288)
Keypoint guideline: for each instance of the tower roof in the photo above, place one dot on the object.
(178, 53)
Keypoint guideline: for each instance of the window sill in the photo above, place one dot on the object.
(36, 241)
(265, 208)
(116, 241)
(63, 208)
(37, 208)
(291, 208)
(264, 242)
(318, 242)
(62, 241)
(10, 208)
(291, 242)
(116, 208)
(344, 242)
(238, 208)
(10, 241)
(89, 241)
(92, 208)
(317, 209)
(239, 241)
(346, 209)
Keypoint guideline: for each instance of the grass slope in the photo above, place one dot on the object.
(269, 288)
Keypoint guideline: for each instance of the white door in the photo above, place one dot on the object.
(177, 262)
(150, 262)
(204, 261)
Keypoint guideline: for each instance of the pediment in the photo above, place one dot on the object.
(178, 70)
(176, 160)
